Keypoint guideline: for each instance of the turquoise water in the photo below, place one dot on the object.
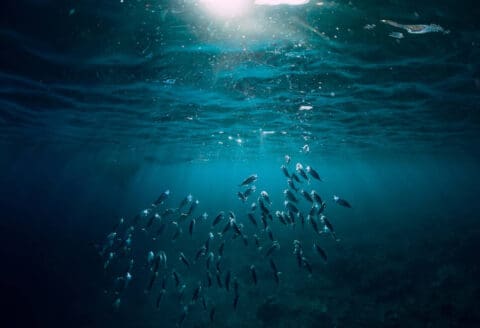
(105, 105)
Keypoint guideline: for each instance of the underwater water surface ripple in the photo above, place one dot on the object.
(330, 76)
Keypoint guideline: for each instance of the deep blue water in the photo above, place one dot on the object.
(106, 104)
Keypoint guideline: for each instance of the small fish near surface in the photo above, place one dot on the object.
(416, 28)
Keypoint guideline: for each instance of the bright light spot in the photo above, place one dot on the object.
(305, 107)
(226, 8)
(281, 2)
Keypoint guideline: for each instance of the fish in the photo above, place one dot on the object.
(185, 201)
(207, 242)
(235, 302)
(295, 177)
(150, 258)
(252, 178)
(285, 171)
(163, 196)
(252, 219)
(210, 259)
(276, 273)
(306, 195)
(161, 229)
(196, 293)
(236, 285)
(156, 263)
(191, 227)
(201, 252)
(176, 276)
(270, 233)
(212, 314)
(265, 196)
(291, 185)
(150, 220)
(193, 206)
(253, 207)
(253, 272)
(257, 242)
(183, 315)
(322, 208)
(163, 259)
(291, 207)
(209, 279)
(298, 252)
(416, 28)
(329, 226)
(241, 196)
(245, 240)
(217, 263)
(320, 251)
(181, 293)
(301, 171)
(218, 218)
(281, 218)
(313, 173)
(227, 227)
(287, 159)
(221, 248)
(307, 265)
(236, 228)
(341, 202)
(275, 245)
(204, 303)
(237, 295)
(249, 191)
(314, 224)
(116, 304)
(264, 209)
(184, 260)
(316, 197)
(152, 280)
(290, 196)
(219, 279)
(160, 297)
(264, 221)
(178, 231)
(302, 219)
(227, 280)
(164, 282)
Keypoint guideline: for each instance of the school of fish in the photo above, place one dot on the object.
(160, 262)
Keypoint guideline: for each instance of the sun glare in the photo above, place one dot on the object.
(227, 8)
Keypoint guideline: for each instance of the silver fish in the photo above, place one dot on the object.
(320, 251)
(253, 272)
(341, 202)
(252, 178)
(313, 173)
(163, 196)
(285, 171)
(306, 195)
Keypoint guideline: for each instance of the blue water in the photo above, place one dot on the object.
(104, 105)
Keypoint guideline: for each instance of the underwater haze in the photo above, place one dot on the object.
(255, 163)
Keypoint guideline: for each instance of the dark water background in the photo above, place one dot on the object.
(104, 108)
